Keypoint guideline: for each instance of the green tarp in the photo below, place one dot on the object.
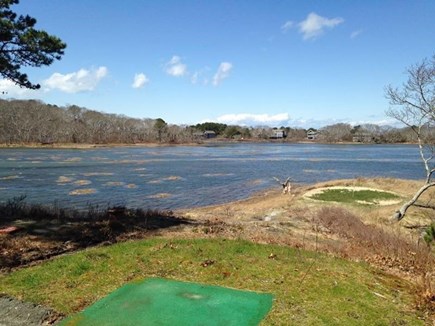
(165, 302)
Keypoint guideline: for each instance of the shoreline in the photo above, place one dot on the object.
(202, 143)
(265, 217)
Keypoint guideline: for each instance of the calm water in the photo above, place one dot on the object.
(176, 177)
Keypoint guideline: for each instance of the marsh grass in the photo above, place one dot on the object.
(309, 288)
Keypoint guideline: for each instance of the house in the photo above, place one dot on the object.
(206, 134)
(198, 134)
(209, 134)
(278, 134)
(312, 134)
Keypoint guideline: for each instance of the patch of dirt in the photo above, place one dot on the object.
(33, 240)
(18, 313)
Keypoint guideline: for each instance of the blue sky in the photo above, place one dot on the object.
(247, 62)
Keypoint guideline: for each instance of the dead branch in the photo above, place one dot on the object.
(286, 185)
(398, 215)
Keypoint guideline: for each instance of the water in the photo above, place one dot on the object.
(183, 176)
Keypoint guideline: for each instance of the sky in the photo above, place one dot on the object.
(246, 62)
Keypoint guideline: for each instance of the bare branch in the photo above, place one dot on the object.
(286, 185)
(414, 106)
(400, 214)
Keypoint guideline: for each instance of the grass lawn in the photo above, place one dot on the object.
(354, 196)
(309, 288)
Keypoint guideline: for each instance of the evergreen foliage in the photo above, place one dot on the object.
(22, 45)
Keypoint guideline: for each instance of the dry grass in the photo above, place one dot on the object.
(41, 232)
(355, 232)
(391, 251)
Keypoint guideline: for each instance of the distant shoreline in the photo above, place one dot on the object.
(205, 142)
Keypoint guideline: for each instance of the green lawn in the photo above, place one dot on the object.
(354, 196)
(309, 288)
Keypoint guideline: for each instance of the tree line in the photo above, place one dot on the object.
(32, 121)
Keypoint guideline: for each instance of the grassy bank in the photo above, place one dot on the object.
(281, 244)
(309, 288)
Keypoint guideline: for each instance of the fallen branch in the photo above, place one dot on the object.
(286, 185)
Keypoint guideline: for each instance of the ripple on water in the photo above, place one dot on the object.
(73, 159)
(318, 171)
(217, 174)
(92, 174)
(160, 195)
(82, 182)
(63, 179)
(255, 182)
(172, 178)
(9, 177)
(87, 191)
(98, 158)
(114, 183)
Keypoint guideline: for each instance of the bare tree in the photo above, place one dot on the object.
(414, 105)
(337, 132)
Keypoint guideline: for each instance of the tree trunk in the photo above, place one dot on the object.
(398, 215)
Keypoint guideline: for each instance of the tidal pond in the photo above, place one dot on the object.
(187, 176)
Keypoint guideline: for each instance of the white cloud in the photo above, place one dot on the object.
(315, 25)
(356, 34)
(140, 80)
(319, 123)
(200, 76)
(175, 67)
(382, 122)
(222, 73)
(286, 26)
(9, 89)
(254, 119)
(195, 77)
(76, 82)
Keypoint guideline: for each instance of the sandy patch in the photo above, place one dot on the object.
(90, 174)
(217, 174)
(172, 178)
(82, 182)
(63, 179)
(114, 183)
(160, 195)
(82, 192)
(10, 177)
(255, 182)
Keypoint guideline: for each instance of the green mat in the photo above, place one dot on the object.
(165, 302)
